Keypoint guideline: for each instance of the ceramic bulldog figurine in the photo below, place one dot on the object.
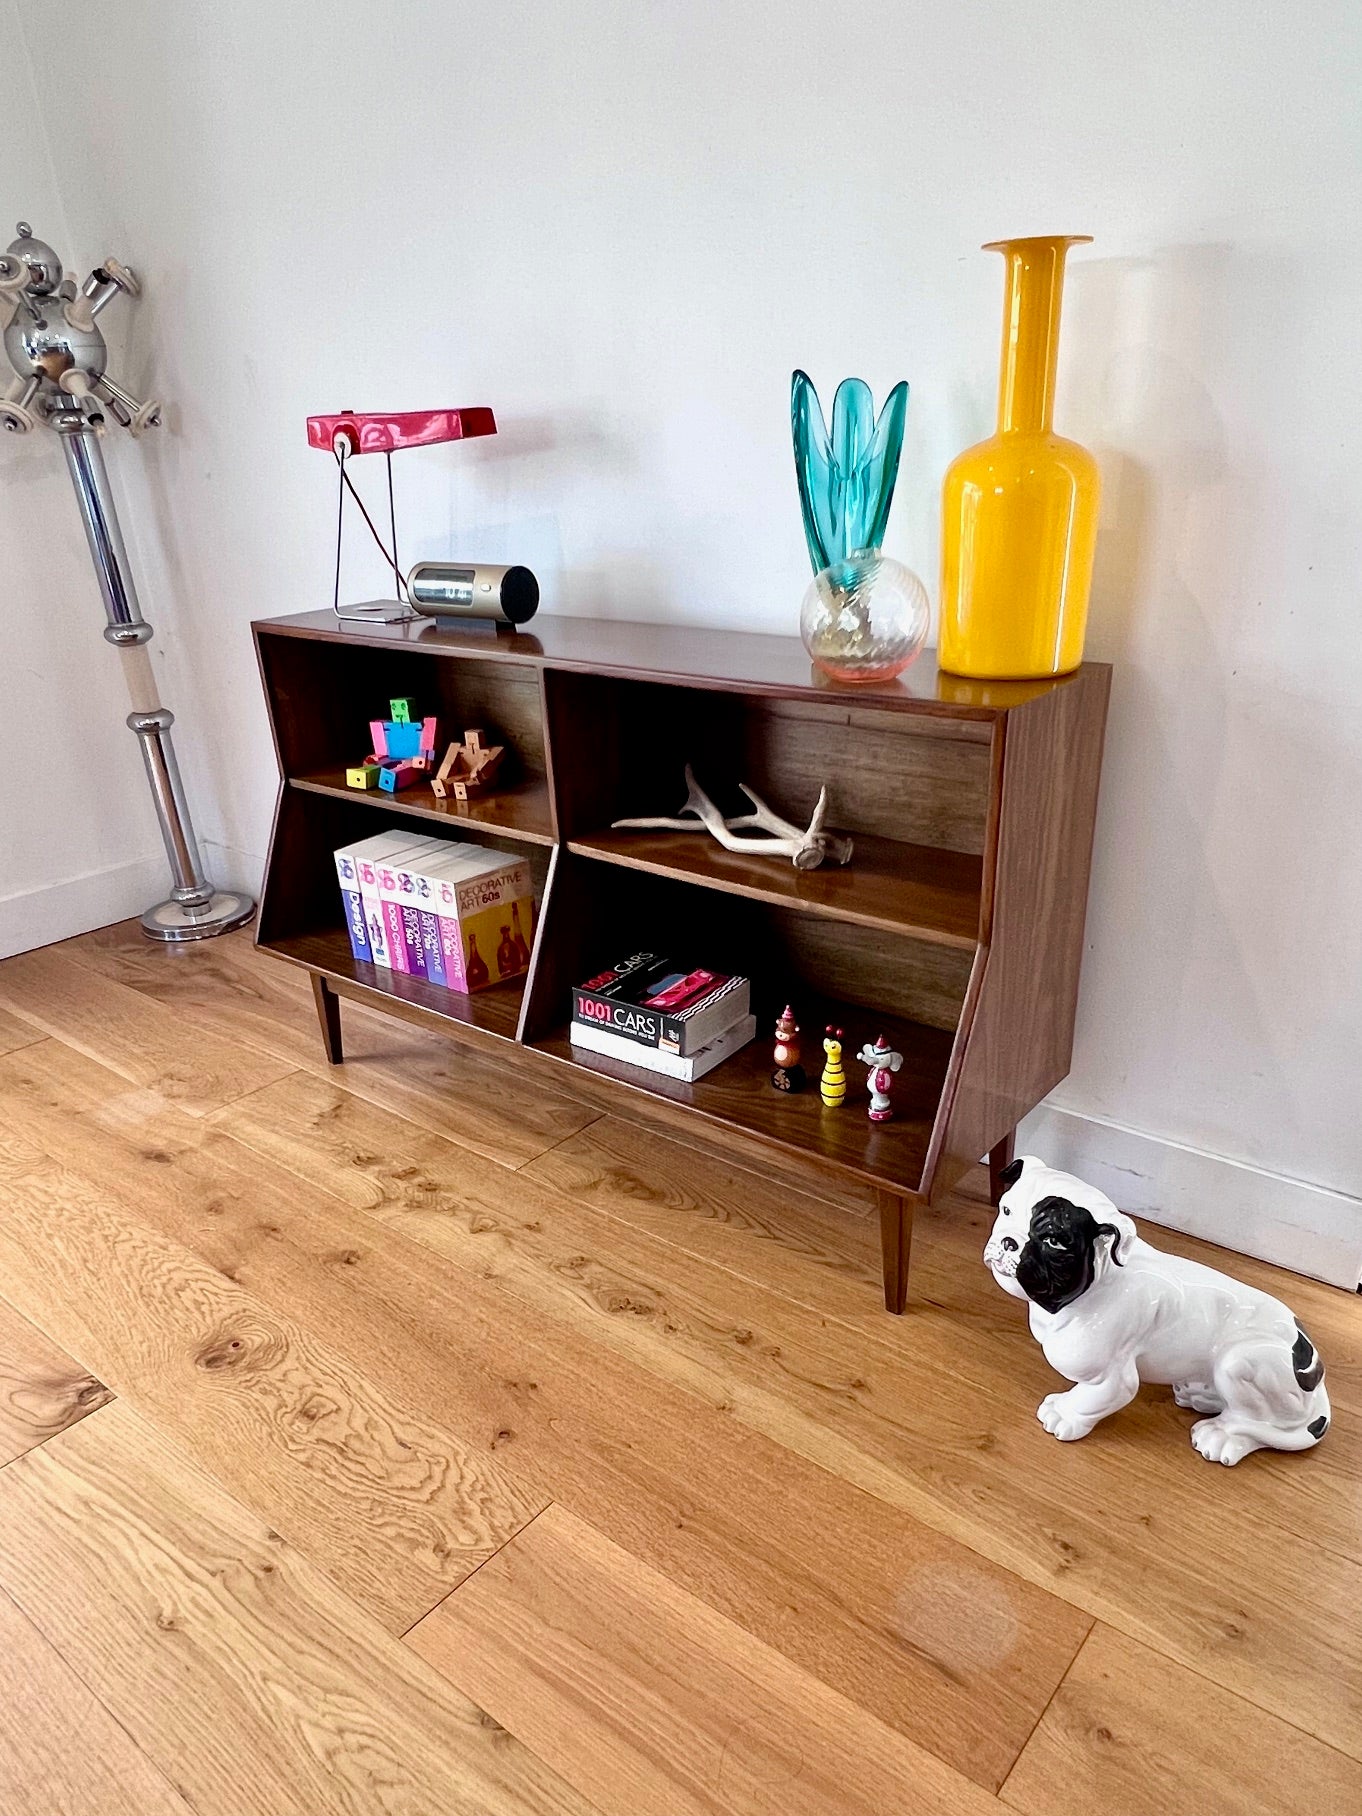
(1110, 1311)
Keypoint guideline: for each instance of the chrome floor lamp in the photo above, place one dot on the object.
(53, 342)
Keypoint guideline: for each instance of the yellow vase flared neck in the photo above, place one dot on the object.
(1034, 290)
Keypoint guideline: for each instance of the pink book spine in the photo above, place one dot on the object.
(397, 941)
(451, 945)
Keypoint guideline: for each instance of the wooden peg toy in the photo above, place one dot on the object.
(363, 775)
(400, 711)
(832, 1086)
(789, 1074)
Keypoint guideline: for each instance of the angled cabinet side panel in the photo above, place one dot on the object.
(1019, 1042)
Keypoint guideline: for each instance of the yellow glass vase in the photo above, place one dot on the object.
(1019, 512)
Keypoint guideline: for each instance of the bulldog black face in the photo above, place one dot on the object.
(1059, 1260)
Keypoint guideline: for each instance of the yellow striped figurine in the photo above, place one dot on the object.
(832, 1086)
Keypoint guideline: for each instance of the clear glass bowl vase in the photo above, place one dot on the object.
(865, 617)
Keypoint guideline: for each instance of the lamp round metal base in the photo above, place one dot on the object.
(171, 922)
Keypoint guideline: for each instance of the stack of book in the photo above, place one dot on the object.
(651, 1012)
(455, 914)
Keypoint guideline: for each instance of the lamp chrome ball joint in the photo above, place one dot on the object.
(54, 345)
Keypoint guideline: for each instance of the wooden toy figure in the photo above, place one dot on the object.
(832, 1086)
(883, 1062)
(789, 1074)
(468, 769)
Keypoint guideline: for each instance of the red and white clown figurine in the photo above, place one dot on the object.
(883, 1062)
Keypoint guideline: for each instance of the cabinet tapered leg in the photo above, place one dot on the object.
(998, 1158)
(328, 1014)
(896, 1237)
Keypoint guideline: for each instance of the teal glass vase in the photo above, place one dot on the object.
(865, 617)
(846, 478)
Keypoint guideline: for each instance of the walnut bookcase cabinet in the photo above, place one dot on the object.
(956, 930)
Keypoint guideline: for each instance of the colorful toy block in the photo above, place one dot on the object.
(401, 711)
(403, 741)
(363, 775)
(428, 738)
(378, 736)
(394, 776)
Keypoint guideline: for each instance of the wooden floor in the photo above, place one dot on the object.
(385, 1439)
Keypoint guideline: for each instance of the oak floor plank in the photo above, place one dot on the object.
(16, 1033)
(819, 1256)
(61, 1752)
(950, 1649)
(395, 1508)
(651, 1704)
(42, 1390)
(1131, 1734)
(142, 1040)
(936, 1418)
(229, 1660)
(231, 992)
(829, 1257)
(746, 1222)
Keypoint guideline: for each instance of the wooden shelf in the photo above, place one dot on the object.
(920, 890)
(520, 812)
(739, 1096)
(494, 1011)
(956, 930)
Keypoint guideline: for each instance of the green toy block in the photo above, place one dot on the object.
(363, 775)
(400, 710)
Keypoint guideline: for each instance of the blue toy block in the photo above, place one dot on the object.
(403, 738)
(395, 776)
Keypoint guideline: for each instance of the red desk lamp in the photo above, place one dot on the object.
(350, 434)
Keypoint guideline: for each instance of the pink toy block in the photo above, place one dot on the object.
(379, 736)
(428, 737)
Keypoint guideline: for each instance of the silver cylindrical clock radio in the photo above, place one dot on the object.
(473, 589)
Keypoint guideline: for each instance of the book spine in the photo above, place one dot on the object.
(347, 875)
(627, 1020)
(432, 948)
(392, 928)
(686, 1070)
(411, 939)
(451, 947)
(373, 916)
(356, 925)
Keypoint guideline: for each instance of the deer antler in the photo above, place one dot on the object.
(806, 848)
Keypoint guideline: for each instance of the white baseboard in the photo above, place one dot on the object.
(232, 868)
(1306, 1228)
(58, 911)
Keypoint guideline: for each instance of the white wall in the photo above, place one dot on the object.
(623, 224)
(78, 839)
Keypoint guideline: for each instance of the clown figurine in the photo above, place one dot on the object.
(789, 1074)
(883, 1062)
